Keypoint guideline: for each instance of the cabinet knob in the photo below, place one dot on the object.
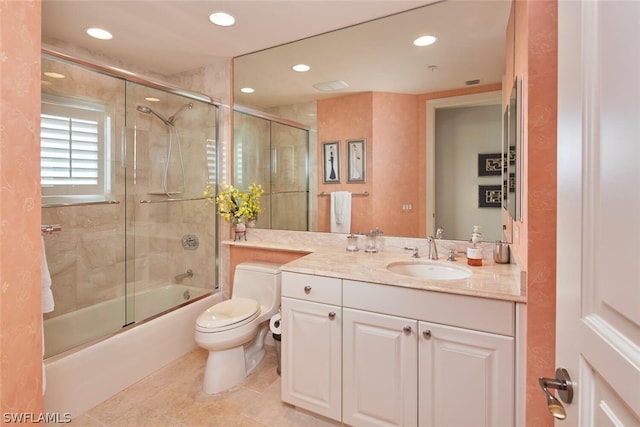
(332, 315)
(426, 333)
(307, 289)
(407, 329)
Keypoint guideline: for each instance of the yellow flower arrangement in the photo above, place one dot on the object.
(233, 204)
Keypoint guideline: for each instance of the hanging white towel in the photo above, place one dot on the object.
(47, 295)
(47, 304)
(341, 212)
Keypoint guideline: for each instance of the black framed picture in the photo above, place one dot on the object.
(489, 196)
(356, 160)
(331, 162)
(489, 164)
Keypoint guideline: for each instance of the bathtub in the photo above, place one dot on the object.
(85, 376)
(87, 324)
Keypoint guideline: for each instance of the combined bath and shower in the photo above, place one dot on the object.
(170, 123)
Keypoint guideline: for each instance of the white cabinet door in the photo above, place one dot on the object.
(311, 356)
(379, 369)
(466, 377)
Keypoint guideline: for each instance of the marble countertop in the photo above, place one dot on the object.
(326, 256)
(491, 280)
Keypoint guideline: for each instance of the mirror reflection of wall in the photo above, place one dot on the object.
(273, 155)
(466, 50)
(462, 134)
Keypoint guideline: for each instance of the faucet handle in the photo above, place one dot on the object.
(452, 255)
(415, 249)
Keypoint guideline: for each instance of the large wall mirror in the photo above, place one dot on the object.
(367, 80)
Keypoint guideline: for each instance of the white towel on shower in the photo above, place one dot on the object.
(47, 305)
(341, 212)
(47, 295)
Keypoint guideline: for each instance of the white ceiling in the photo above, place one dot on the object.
(169, 37)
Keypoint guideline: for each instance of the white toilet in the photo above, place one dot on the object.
(234, 330)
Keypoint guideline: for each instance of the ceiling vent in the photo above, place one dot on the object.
(331, 86)
(472, 82)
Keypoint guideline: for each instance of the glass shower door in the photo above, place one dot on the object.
(171, 235)
(274, 155)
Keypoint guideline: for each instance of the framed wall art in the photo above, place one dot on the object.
(489, 164)
(489, 196)
(356, 160)
(331, 162)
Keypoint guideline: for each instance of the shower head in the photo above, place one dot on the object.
(147, 110)
(173, 118)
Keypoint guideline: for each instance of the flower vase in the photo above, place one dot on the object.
(239, 231)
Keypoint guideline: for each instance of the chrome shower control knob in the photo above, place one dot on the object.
(307, 289)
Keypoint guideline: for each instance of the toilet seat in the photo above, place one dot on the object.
(228, 314)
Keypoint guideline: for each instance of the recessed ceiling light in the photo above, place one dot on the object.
(223, 19)
(152, 99)
(301, 68)
(99, 33)
(54, 75)
(247, 90)
(425, 40)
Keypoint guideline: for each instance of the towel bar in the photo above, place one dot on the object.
(365, 194)
(49, 229)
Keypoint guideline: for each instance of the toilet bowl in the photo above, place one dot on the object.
(233, 331)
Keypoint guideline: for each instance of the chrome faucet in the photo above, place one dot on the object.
(178, 278)
(433, 248)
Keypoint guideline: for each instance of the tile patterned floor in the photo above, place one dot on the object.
(173, 396)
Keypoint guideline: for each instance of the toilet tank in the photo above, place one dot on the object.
(259, 281)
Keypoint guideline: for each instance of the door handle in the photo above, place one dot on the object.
(562, 382)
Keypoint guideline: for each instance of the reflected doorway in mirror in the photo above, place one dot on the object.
(356, 160)
(331, 162)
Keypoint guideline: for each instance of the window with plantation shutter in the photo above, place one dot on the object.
(73, 142)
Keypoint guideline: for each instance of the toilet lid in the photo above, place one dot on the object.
(227, 313)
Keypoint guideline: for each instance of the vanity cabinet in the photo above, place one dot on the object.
(311, 348)
(395, 356)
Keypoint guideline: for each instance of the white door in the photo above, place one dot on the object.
(598, 269)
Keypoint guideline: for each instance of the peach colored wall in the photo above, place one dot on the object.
(340, 119)
(395, 163)
(389, 123)
(536, 28)
(20, 304)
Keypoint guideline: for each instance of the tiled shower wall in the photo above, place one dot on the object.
(88, 260)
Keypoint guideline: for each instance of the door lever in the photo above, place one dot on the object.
(564, 385)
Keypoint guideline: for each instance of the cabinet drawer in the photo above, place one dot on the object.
(312, 288)
(481, 314)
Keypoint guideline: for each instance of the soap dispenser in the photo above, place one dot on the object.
(474, 253)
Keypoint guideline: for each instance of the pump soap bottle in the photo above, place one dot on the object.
(474, 254)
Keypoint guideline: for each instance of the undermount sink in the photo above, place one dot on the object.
(429, 270)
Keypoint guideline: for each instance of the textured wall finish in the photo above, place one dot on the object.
(20, 303)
